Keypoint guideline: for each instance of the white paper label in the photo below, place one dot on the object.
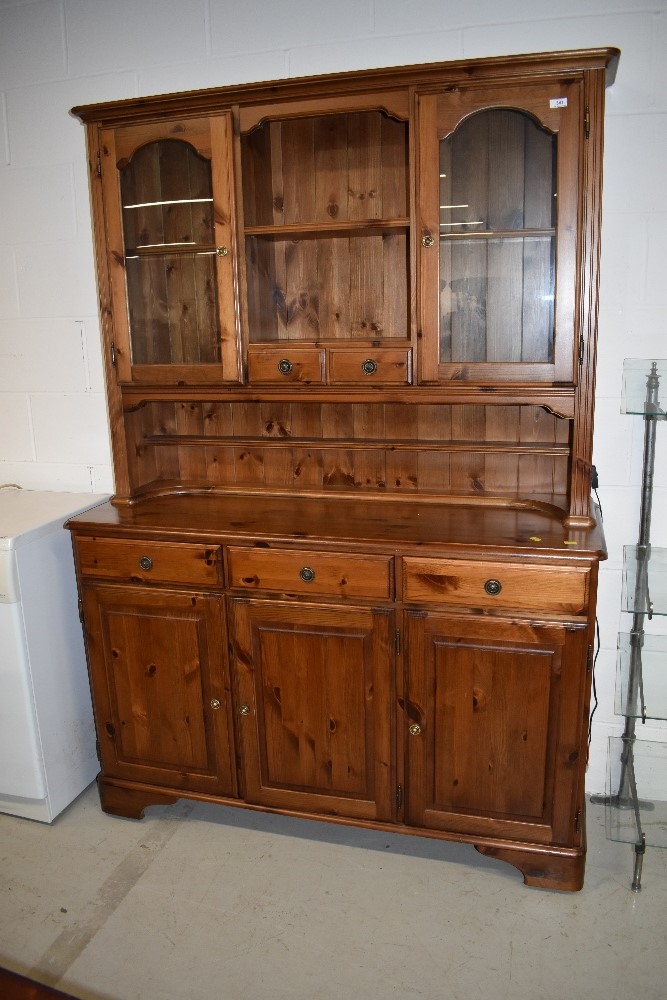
(558, 102)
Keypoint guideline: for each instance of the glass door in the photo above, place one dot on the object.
(498, 211)
(168, 199)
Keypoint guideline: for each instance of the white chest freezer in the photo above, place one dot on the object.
(47, 736)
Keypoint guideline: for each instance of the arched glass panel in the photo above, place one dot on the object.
(497, 240)
(167, 204)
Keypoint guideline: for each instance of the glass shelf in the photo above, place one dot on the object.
(635, 376)
(649, 700)
(650, 771)
(645, 580)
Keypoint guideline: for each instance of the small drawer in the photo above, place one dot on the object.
(281, 365)
(304, 572)
(149, 562)
(560, 589)
(370, 366)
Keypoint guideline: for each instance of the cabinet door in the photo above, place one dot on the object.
(315, 700)
(160, 687)
(168, 205)
(498, 202)
(495, 719)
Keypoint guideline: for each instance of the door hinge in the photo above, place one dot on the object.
(577, 820)
(399, 796)
(581, 349)
(591, 660)
(80, 602)
(397, 641)
(98, 166)
(112, 350)
(587, 123)
(98, 750)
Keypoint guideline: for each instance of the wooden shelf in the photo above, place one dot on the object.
(349, 444)
(364, 227)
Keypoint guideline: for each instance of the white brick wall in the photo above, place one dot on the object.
(58, 53)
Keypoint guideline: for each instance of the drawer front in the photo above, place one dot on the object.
(314, 573)
(282, 365)
(559, 589)
(368, 366)
(149, 562)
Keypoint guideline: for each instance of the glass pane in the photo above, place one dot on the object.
(497, 240)
(172, 304)
(168, 233)
(645, 580)
(644, 763)
(644, 386)
(641, 676)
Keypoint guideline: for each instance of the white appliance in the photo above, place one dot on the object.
(47, 736)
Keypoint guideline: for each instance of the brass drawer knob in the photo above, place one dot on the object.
(415, 729)
(244, 710)
(493, 587)
(146, 563)
(215, 703)
(307, 574)
(427, 241)
(285, 366)
(369, 367)
(222, 251)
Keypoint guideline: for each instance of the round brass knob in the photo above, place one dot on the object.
(369, 367)
(244, 710)
(284, 366)
(493, 587)
(215, 703)
(415, 729)
(427, 241)
(146, 562)
(307, 574)
(222, 251)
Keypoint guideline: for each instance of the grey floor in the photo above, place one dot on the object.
(202, 902)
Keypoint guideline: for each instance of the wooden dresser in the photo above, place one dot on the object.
(350, 568)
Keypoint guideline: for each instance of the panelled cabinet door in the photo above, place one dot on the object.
(315, 707)
(160, 686)
(494, 723)
(169, 210)
(498, 192)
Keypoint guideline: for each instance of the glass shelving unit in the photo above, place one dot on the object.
(636, 799)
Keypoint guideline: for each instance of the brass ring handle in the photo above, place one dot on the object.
(307, 574)
(493, 587)
(284, 366)
(427, 241)
(415, 729)
(369, 367)
(146, 563)
(244, 710)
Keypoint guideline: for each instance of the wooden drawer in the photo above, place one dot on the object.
(368, 366)
(561, 589)
(307, 572)
(149, 562)
(282, 365)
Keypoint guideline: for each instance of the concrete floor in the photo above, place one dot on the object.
(203, 902)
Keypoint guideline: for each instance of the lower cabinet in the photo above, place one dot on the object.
(316, 707)
(495, 711)
(450, 723)
(160, 688)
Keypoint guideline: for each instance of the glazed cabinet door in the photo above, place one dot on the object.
(494, 720)
(315, 707)
(171, 250)
(160, 687)
(498, 193)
